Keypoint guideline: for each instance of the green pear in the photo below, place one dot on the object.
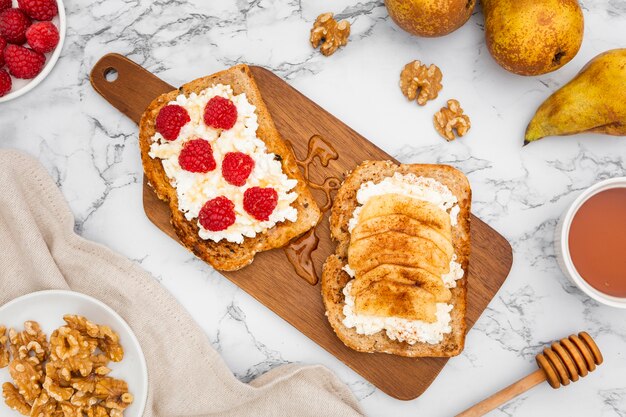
(594, 101)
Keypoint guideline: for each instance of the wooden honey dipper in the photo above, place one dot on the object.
(564, 361)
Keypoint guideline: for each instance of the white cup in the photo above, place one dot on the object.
(561, 243)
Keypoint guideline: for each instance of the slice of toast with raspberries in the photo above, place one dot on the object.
(249, 199)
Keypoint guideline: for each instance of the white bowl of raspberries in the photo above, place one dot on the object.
(31, 39)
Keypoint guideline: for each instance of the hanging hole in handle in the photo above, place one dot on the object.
(110, 74)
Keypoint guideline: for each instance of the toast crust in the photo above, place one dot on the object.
(224, 255)
(334, 278)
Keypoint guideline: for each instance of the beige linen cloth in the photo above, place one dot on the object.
(187, 377)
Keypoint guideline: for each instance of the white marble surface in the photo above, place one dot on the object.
(91, 150)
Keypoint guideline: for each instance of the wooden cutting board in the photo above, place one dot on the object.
(318, 139)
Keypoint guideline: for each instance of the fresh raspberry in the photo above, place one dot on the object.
(3, 45)
(197, 156)
(220, 113)
(43, 37)
(39, 9)
(5, 83)
(170, 120)
(23, 62)
(217, 214)
(260, 202)
(5, 4)
(13, 25)
(236, 168)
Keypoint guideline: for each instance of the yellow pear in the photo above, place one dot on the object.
(430, 18)
(594, 101)
(533, 37)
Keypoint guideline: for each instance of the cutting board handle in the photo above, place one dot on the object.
(126, 85)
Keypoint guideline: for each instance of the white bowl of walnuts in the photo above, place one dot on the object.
(31, 39)
(63, 353)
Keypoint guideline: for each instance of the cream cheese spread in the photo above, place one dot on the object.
(195, 189)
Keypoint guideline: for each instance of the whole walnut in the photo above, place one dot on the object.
(421, 82)
(331, 34)
(451, 118)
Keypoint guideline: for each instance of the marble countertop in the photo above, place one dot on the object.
(91, 151)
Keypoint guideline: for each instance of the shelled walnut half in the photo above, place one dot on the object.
(420, 81)
(29, 342)
(4, 351)
(451, 118)
(331, 34)
(14, 399)
(27, 375)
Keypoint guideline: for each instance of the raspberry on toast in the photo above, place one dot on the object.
(334, 279)
(225, 255)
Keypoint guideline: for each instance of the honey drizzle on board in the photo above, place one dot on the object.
(597, 241)
(300, 251)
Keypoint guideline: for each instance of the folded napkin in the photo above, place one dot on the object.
(187, 377)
